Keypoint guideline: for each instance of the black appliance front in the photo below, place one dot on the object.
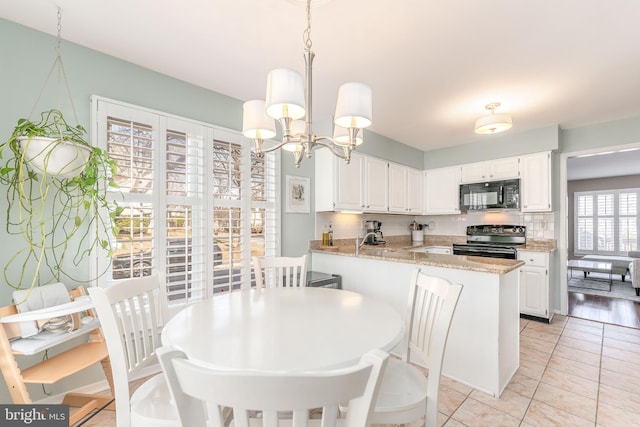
(488, 250)
(490, 195)
(495, 241)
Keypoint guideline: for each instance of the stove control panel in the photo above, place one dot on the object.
(492, 230)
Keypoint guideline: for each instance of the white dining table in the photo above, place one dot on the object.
(284, 329)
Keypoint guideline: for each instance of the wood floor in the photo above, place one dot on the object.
(615, 311)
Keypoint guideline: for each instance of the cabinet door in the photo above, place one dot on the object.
(533, 291)
(414, 191)
(535, 185)
(490, 170)
(442, 191)
(503, 168)
(348, 185)
(397, 188)
(375, 184)
(473, 172)
(534, 284)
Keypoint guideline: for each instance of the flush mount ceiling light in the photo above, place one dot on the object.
(493, 123)
(289, 101)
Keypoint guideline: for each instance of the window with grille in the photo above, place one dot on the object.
(197, 202)
(606, 222)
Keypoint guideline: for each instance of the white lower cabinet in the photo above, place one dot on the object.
(535, 289)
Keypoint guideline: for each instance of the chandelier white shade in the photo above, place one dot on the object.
(285, 94)
(255, 122)
(354, 106)
(289, 99)
(493, 123)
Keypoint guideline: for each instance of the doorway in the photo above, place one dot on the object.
(608, 161)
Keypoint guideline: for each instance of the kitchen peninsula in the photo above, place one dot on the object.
(483, 346)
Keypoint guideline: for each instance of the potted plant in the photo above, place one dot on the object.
(56, 185)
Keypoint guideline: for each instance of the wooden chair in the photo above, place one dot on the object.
(130, 311)
(273, 395)
(405, 394)
(277, 272)
(60, 366)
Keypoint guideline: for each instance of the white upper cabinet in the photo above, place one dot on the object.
(535, 185)
(442, 188)
(414, 191)
(376, 194)
(405, 190)
(338, 185)
(490, 170)
(397, 188)
(367, 184)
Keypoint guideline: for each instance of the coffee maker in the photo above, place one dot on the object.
(374, 234)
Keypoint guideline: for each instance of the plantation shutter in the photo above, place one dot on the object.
(584, 222)
(606, 222)
(197, 203)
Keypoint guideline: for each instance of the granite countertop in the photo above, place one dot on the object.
(396, 250)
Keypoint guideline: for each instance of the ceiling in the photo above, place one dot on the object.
(433, 65)
(603, 165)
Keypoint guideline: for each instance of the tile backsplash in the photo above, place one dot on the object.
(539, 225)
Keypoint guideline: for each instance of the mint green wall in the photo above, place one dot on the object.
(494, 147)
(618, 132)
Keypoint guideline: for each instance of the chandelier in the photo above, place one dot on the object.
(289, 101)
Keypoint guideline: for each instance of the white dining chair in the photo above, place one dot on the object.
(405, 394)
(273, 395)
(130, 313)
(277, 272)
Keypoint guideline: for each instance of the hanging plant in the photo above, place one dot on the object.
(57, 187)
(52, 210)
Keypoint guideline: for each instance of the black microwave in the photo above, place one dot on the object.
(490, 195)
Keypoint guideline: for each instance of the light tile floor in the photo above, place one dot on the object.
(573, 372)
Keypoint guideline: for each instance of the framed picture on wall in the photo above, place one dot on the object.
(298, 194)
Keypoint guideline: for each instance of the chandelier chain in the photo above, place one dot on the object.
(307, 32)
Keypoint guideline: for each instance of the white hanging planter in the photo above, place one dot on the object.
(54, 157)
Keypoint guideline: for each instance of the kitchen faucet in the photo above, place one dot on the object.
(364, 240)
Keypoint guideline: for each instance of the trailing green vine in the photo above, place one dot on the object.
(58, 216)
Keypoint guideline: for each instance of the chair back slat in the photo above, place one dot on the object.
(272, 393)
(276, 272)
(131, 321)
(432, 303)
